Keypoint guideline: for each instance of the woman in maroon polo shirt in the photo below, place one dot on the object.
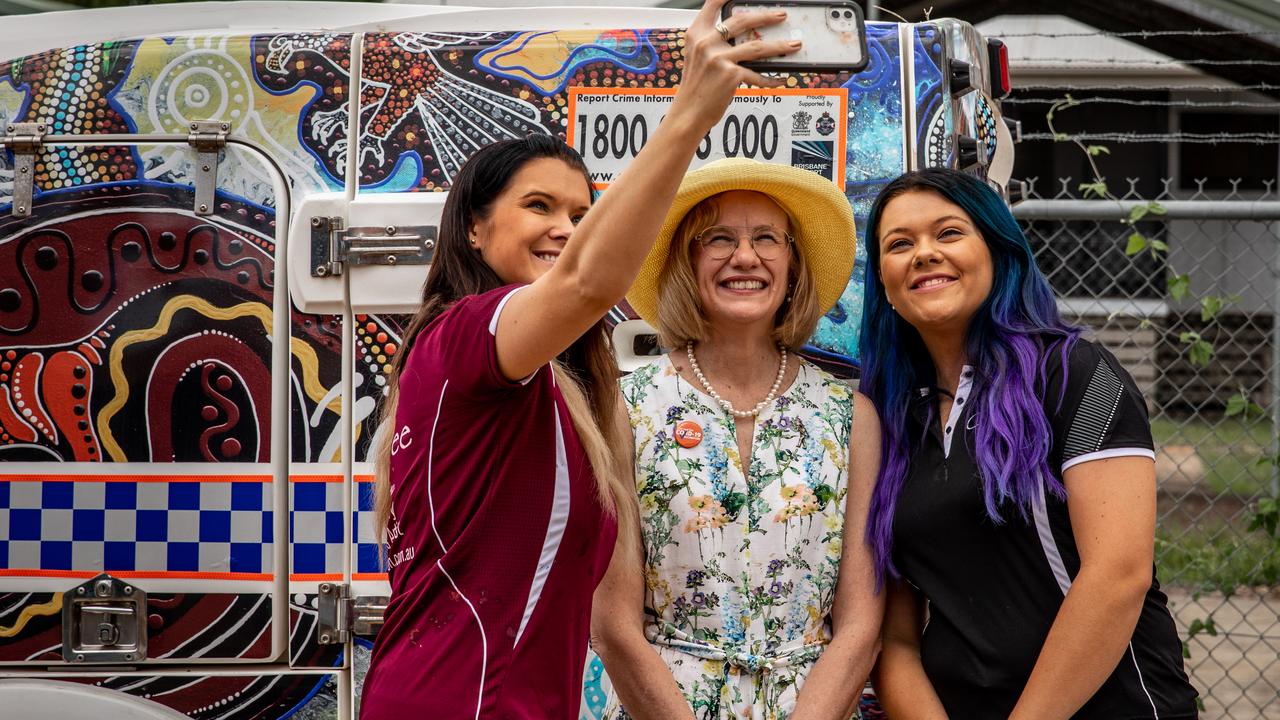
(500, 481)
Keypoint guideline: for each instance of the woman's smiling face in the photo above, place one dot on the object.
(935, 265)
(529, 223)
(743, 288)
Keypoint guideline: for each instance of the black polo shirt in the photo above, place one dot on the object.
(995, 589)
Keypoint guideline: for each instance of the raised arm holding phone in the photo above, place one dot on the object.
(500, 487)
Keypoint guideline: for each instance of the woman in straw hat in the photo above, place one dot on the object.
(499, 489)
(753, 466)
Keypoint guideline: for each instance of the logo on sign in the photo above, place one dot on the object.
(826, 124)
(815, 155)
(800, 122)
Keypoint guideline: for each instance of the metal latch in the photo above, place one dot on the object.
(208, 137)
(25, 140)
(334, 246)
(341, 615)
(104, 621)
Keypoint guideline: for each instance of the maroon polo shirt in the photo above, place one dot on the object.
(496, 539)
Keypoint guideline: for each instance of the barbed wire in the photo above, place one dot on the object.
(1148, 34)
(1142, 103)
(1135, 137)
(1150, 88)
(1139, 61)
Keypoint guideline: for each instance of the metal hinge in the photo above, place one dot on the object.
(25, 140)
(341, 615)
(208, 137)
(334, 246)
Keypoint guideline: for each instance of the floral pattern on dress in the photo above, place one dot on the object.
(740, 569)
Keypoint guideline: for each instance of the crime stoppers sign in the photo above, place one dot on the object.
(801, 127)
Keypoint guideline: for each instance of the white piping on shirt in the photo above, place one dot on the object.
(556, 525)
(484, 640)
(1040, 511)
(1154, 712)
(431, 454)
(493, 324)
(497, 311)
(1109, 453)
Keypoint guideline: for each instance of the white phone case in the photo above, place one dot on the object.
(832, 31)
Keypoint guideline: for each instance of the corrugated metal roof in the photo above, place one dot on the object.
(1029, 39)
(1053, 45)
(26, 7)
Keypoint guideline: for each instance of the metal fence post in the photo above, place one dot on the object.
(1275, 374)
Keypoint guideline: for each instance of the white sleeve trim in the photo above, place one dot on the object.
(497, 311)
(1111, 453)
(493, 325)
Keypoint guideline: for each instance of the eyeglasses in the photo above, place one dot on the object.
(720, 241)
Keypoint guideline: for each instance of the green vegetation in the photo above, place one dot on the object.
(1230, 450)
(1238, 543)
(1217, 557)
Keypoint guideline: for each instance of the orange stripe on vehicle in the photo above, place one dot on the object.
(315, 478)
(368, 576)
(314, 577)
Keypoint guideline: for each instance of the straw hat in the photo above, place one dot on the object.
(822, 222)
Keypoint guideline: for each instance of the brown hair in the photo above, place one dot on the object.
(586, 373)
(680, 316)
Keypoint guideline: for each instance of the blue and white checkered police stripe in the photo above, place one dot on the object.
(125, 524)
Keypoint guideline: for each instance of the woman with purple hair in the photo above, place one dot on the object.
(1015, 506)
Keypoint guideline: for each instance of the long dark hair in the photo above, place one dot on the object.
(1006, 343)
(586, 372)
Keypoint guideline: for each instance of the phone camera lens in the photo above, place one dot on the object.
(835, 14)
(848, 14)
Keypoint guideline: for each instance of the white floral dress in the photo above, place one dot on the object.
(740, 571)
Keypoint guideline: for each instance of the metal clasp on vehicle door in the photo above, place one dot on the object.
(334, 246)
(104, 621)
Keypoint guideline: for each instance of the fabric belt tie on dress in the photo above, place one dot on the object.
(678, 640)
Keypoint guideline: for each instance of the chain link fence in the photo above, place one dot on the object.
(1184, 287)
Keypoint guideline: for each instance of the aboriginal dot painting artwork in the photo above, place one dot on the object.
(133, 329)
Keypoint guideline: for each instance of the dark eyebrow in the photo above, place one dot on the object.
(548, 196)
(939, 221)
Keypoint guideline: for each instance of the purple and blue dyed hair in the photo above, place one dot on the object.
(1006, 344)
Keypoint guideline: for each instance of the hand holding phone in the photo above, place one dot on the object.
(715, 69)
(833, 34)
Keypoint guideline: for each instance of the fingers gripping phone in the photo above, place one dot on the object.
(832, 32)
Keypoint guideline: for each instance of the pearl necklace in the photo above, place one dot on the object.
(773, 391)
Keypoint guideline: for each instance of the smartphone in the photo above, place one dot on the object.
(833, 33)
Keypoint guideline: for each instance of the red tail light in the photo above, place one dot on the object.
(998, 60)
